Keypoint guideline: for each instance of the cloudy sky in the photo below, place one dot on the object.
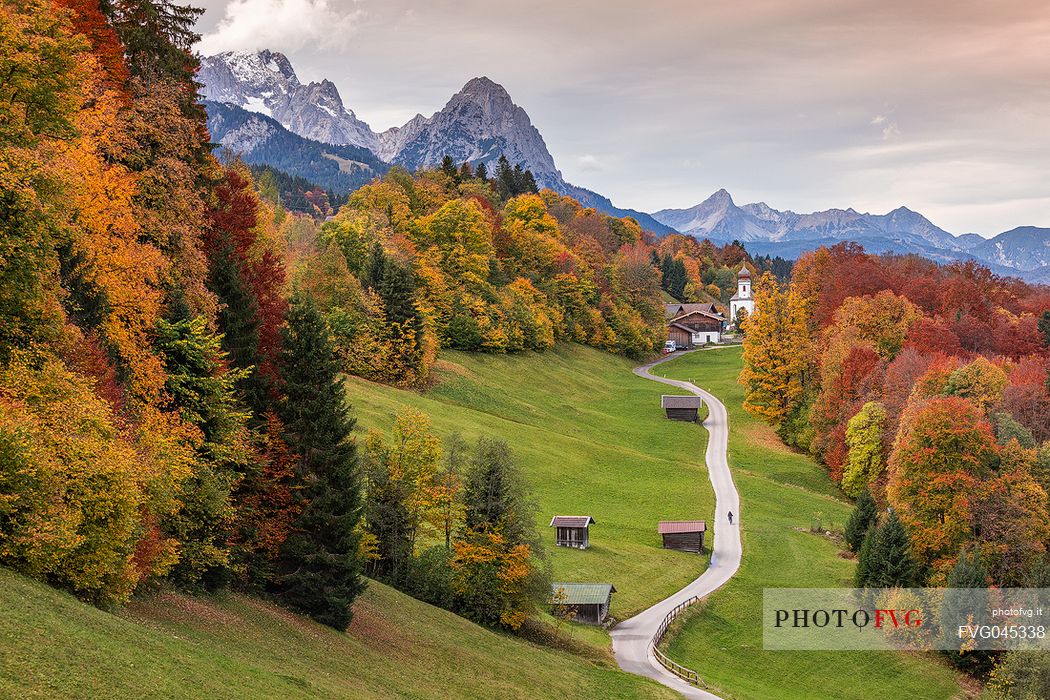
(940, 105)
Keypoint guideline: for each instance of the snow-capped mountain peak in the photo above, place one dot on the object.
(265, 82)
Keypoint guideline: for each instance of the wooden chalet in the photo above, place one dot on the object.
(684, 535)
(572, 530)
(590, 601)
(682, 407)
(692, 325)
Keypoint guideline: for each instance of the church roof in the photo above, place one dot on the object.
(744, 272)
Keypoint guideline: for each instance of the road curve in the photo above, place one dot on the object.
(632, 638)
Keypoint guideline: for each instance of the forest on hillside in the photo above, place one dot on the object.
(924, 391)
(174, 329)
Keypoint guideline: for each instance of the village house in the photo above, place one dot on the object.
(590, 601)
(572, 530)
(692, 325)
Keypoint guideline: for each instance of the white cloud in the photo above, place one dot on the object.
(281, 25)
(589, 163)
(878, 119)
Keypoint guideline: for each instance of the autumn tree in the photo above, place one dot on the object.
(776, 352)
(944, 450)
(865, 444)
(402, 480)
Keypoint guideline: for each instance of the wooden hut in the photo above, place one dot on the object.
(682, 407)
(590, 601)
(572, 530)
(684, 535)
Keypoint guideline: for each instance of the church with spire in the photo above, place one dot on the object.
(742, 300)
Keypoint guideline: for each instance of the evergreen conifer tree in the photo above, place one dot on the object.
(862, 519)
(892, 564)
(239, 323)
(448, 166)
(862, 575)
(495, 493)
(372, 274)
(482, 173)
(968, 573)
(528, 184)
(320, 568)
(505, 184)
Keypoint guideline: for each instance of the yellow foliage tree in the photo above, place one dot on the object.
(777, 351)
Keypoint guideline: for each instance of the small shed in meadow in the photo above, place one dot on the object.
(684, 535)
(590, 601)
(572, 530)
(682, 407)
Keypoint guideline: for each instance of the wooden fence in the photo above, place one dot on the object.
(686, 674)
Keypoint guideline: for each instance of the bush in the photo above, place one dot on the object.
(70, 496)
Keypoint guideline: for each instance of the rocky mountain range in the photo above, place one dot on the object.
(1023, 252)
(478, 124)
(259, 109)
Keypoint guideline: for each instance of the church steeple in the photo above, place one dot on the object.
(742, 300)
(743, 283)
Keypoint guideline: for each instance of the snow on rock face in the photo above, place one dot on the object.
(265, 82)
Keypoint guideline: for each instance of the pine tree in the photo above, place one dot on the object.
(505, 184)
(892, 564)
(482, 173)
(202, 391)
(372, 274)
(158, 37)
(239, 323)
(528, 185)
(448, 166)
(862, 575)
(465, 172)
(398, 290)
(320, 569)
(861, 520)
(968, 573)
(495, 495)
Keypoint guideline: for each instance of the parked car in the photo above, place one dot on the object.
(670, 346)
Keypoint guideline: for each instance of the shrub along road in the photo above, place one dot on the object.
(632, 638)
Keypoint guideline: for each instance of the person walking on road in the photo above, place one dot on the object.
(730, 517)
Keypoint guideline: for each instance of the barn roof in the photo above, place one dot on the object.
(676, 311)
(583, 593)
(672, 527)
(680, 401)
(572, 521)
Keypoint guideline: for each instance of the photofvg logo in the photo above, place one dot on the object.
(959, 619)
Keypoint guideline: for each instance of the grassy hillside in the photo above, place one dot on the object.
(592, 440)
(177, 646)
(781, 493)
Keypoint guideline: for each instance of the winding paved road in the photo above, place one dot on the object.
(632, 638)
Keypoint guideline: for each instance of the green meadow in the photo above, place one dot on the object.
(592, 440)
(782, 495)
(231, 647)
